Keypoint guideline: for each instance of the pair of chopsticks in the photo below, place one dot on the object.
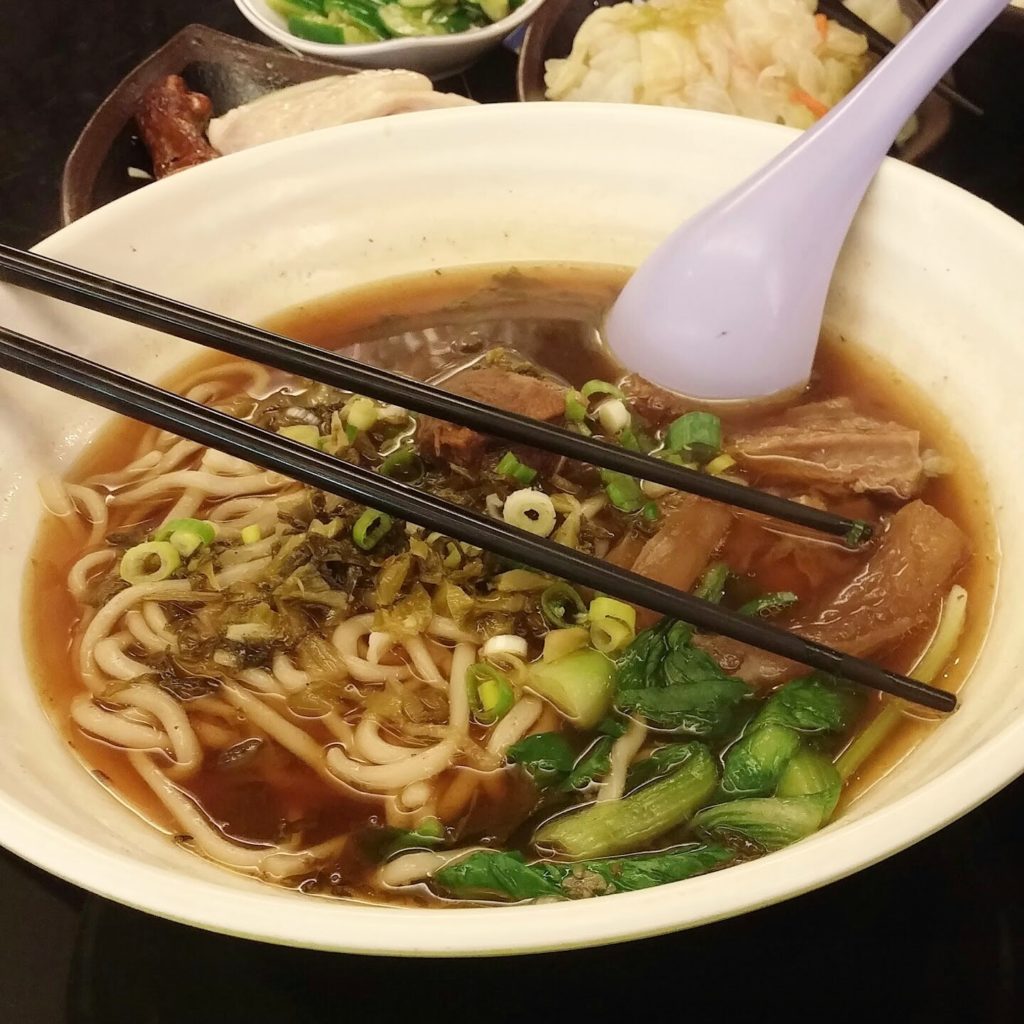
(112, 390)
(880, 45)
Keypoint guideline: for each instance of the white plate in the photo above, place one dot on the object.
(930, 277)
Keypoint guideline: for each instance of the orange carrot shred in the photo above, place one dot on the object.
(816, 107)
(822, 23)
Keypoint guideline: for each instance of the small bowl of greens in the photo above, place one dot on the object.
(436, 37)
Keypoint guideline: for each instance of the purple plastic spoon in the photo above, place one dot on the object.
(730, 305)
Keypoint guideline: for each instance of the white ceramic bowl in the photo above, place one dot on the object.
(436, 56)
(930, 277)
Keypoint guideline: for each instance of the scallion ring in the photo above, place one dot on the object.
(600, 387)
(370, 528)
(490, 693)
(561, 605)
(510, 466)
(529, 510)
(612, 624)
(150, 562)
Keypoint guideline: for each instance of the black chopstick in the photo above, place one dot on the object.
(115, 391)
(114, 298)
(880, 45)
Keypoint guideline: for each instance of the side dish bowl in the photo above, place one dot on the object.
(551, 34)
(436, 56)
(929, 278)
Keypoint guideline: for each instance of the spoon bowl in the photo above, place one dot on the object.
(730, 305)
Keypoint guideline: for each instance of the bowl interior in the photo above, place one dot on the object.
(929, 278)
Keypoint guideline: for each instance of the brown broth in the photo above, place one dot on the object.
(556, 312)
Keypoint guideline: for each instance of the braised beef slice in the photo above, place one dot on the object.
(895, 592)
(535, 397)
(656, 405)
(829, 446)
(172, 121)
(690, 532)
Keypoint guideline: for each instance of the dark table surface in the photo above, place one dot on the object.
(935, 933)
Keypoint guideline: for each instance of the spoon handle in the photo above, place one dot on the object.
(873, 113)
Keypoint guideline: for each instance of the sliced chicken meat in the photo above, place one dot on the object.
(325, 103)
(894, 593)
(830, 446)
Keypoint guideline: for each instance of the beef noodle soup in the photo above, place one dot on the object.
(302, 689)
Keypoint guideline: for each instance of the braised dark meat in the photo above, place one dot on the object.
(831, 447)
(691, 530)
(536, 397)
(894, 593)
(656, 405)
(172, 121)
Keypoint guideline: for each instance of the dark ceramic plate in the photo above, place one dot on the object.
(230, 71)
(553, 28)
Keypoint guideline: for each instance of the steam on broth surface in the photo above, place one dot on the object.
(298, 688)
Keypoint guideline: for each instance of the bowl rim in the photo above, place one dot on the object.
(252, 11)
(260, 913)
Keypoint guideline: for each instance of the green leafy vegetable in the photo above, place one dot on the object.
(547, 757)
(696, 434)
(768, 605)
(580, 685)
(756, 762)
(551, 763)
(620, 826)
(594, 763)
(806, 797)
(487, 873)
(497, 873)
(661, 762)
(427, 835)
(675, 685)
(712, 584)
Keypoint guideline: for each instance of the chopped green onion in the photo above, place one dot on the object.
(206, 531)
(362, 413)
(712, 584)
(615, 419)
(370, 528)
(612, 624)
(150, 562)
(650, 511)
(251, 534)
(858, 533)
(575, 407)
(768, 605)
(304, 433)
(490, 693)
(698, 434)
(530, 510)
(600, 387)
(402, 464)
(623, 491)
(719, 464)
(510, 466)
(561, 605)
